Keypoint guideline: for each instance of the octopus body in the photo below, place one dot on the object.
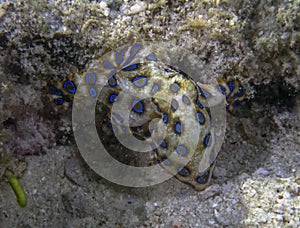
(151, 100)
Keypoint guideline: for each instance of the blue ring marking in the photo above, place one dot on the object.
(153, 146)
(108, 65)
(112, 81)
(167, 70)
(113, 98)
(165, 118)
(203, 92)
(171, 75)
(159, 163)
(231, 86)
(175, 87)
(181, 150)
(186, 100)
(207, 140)
(178, 128)
(155, 88)
(239, 93)
(162, 143)
(139, 81)
(137, 106)
(87, 78)
(58, 101)
(164, 160)
(236, 103)
(70, 90)
(200, 118)
(71, 105)
(174, 105)
(112, 73)
(53, 90)
(133, 51)
(151, 57)
(119, 57)
(183, 171)
(123, 128)
(204, 178)
(93, 92)
(131, 67)
(115, 129)
(199, 104)
(222, 89)
(158, 109)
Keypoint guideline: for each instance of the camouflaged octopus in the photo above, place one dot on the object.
(182, 138)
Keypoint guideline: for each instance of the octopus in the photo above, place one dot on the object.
(166, 110)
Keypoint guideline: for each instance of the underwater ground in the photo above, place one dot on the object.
(256, 182)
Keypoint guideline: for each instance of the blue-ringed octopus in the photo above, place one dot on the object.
(179, 103)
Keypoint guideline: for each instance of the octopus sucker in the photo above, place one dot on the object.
(138, 88)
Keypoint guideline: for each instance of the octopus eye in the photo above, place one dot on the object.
(140, 81)
(203, 179)
(184, 171)
(208, 140)
(178, 128)
(137, 106)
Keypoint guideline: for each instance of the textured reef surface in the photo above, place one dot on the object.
(44, 45)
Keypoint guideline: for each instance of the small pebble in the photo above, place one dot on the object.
(279, 217)
(211, 222)
(2, 13)
(262, 171)
(176, 223)
(137, 8)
